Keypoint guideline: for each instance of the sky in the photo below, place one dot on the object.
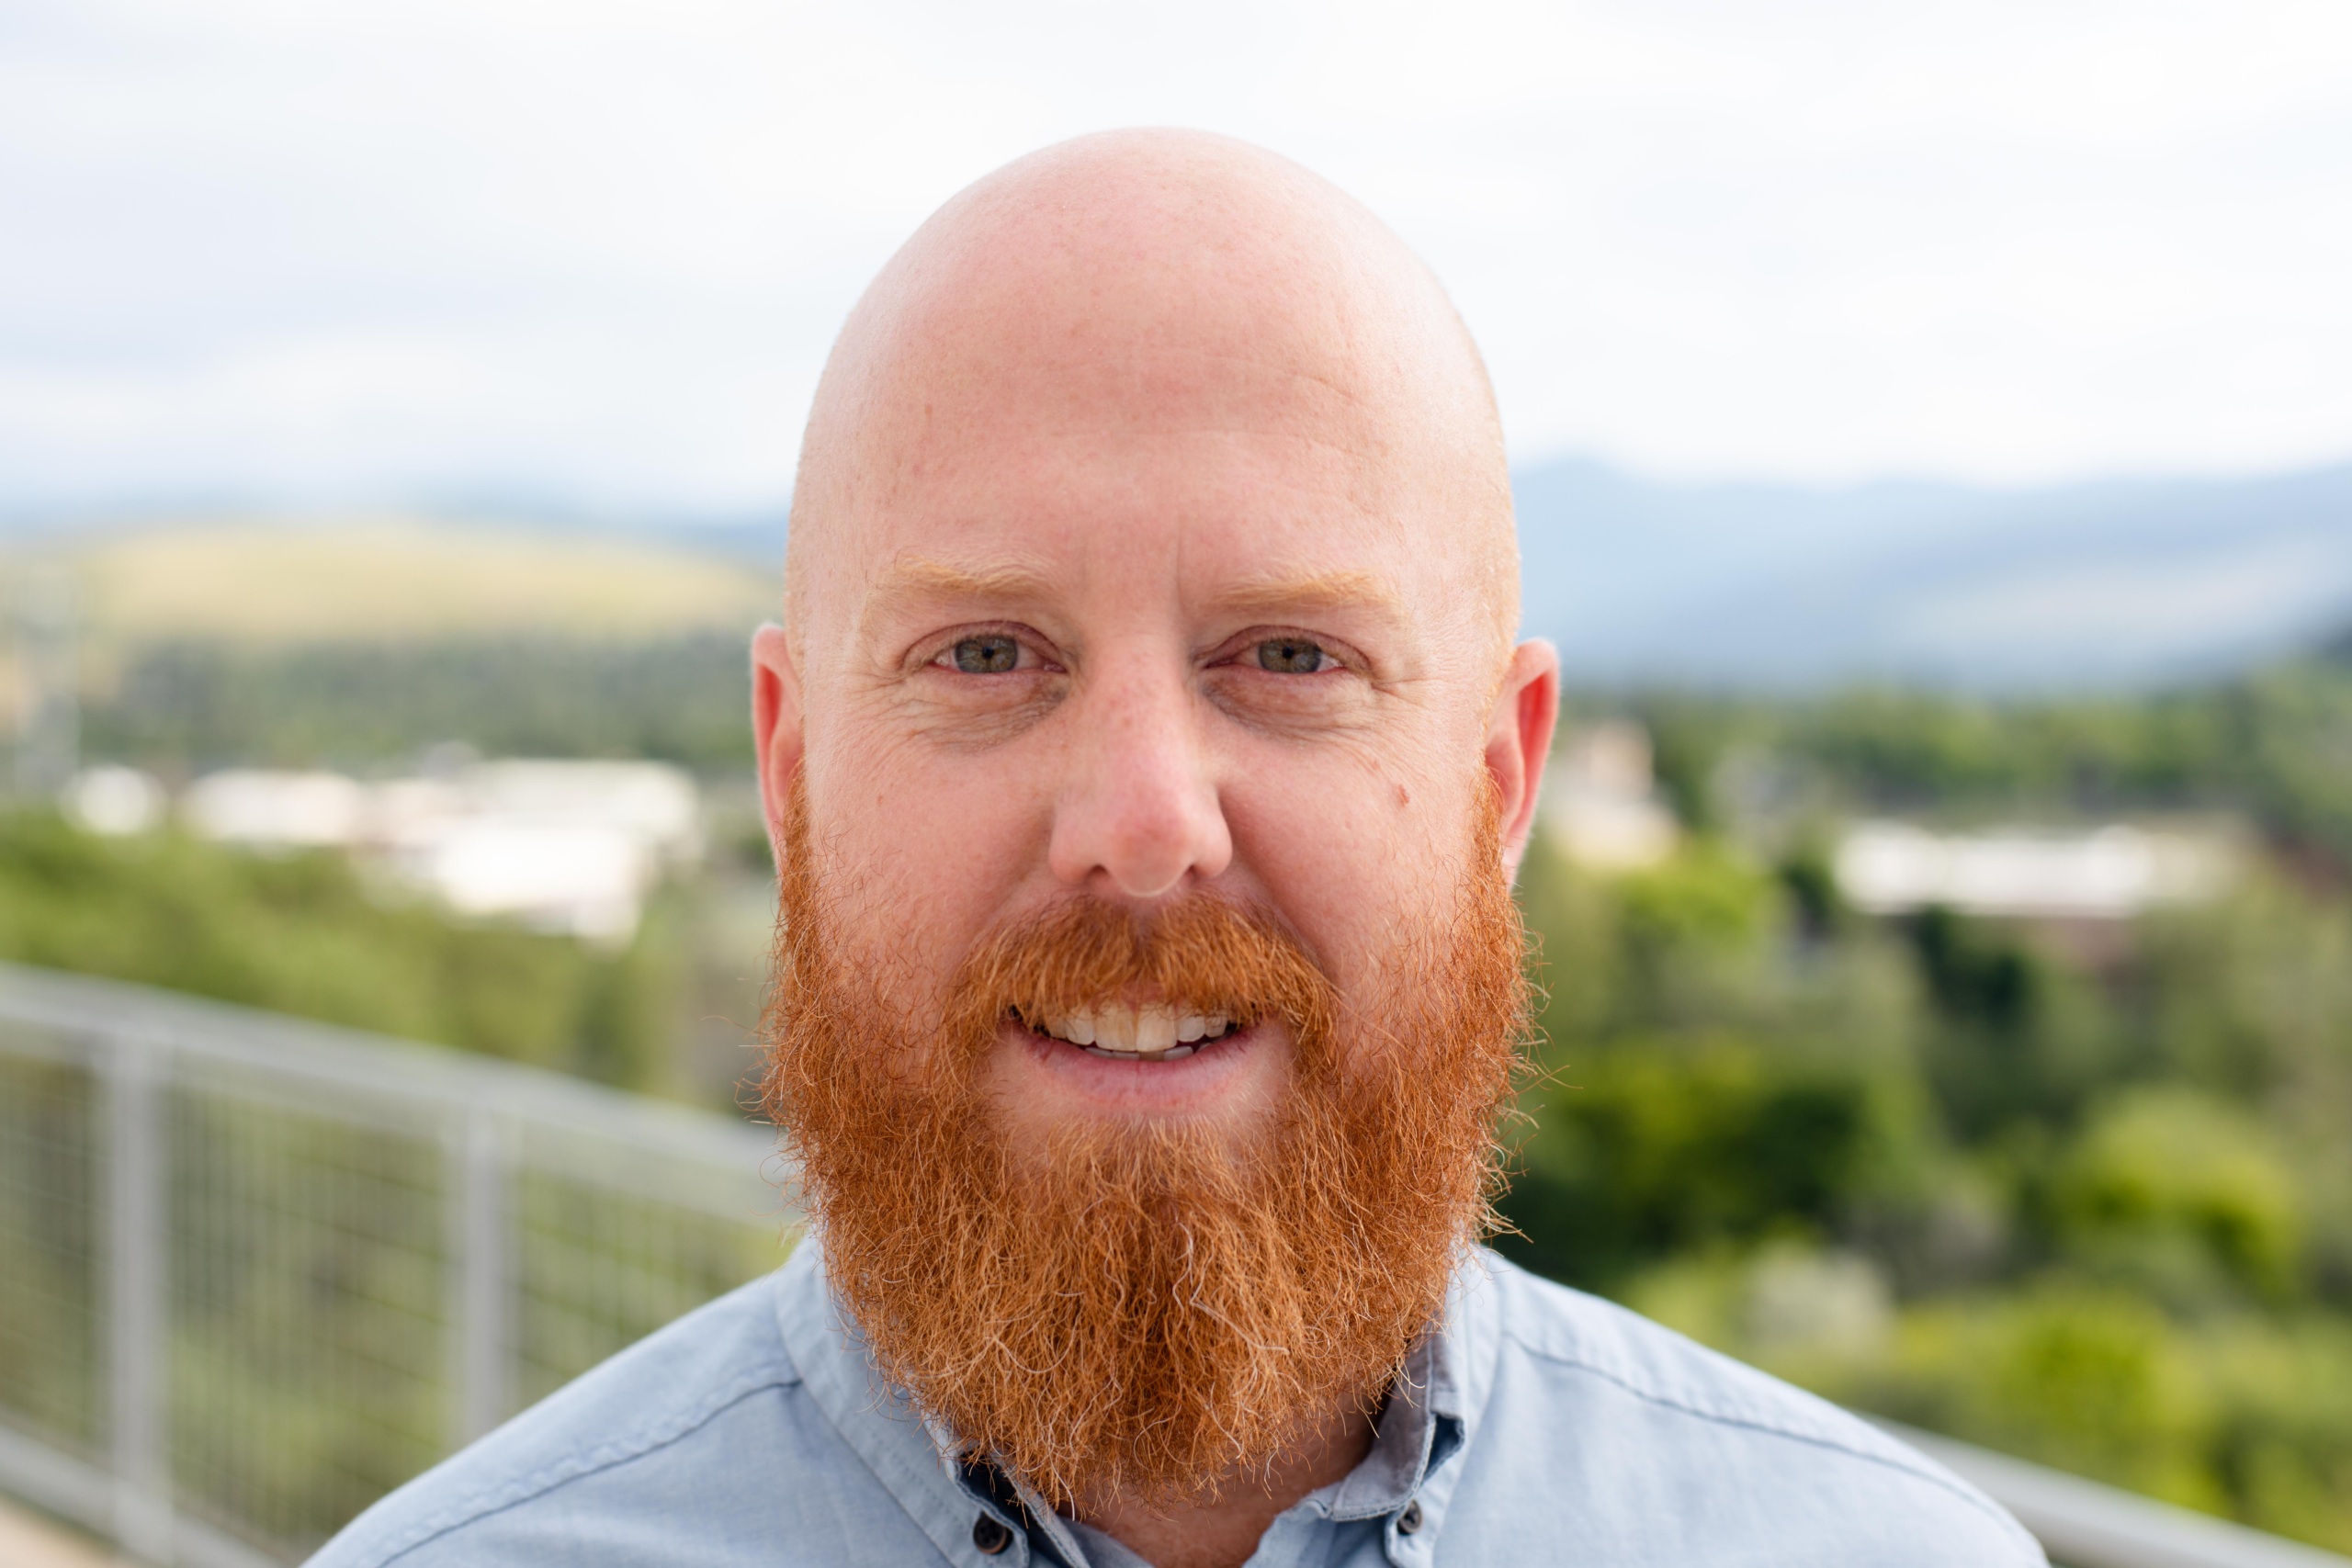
(590, 253)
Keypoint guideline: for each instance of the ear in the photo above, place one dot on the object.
(776, 727)
(1519, 738)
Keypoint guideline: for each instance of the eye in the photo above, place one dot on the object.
(1291, 656)
(988, 654)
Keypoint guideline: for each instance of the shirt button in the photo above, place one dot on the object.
(989, 1535)
(1410, 1521)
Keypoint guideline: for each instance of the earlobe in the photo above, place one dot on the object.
(778, 736)
(1518, 740)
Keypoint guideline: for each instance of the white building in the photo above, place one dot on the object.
(651, 802)
(113, 800)
(1600, 805)
(263, 808)
(564, 846)
(2106, 874)
(583, 879)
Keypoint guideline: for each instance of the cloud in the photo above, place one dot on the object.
(597, 249)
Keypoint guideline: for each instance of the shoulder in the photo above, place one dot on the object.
(694, 1446)
(1669, 1436)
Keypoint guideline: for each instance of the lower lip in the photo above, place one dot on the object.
(1161, 1085)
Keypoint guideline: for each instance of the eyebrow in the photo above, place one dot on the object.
(1339, 588)
(914, 577)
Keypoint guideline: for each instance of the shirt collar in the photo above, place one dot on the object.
(874, 1418)
(1432, 1412)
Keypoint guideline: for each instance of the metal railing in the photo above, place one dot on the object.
(2085, 1524)
(256, 1272)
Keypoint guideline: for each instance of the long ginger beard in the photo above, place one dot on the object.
(1147, 1309)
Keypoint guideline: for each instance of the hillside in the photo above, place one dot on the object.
(400, 580)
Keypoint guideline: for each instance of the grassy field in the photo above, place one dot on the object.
(393, 578)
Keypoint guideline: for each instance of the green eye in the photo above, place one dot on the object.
(986, 655)
(1290, 656)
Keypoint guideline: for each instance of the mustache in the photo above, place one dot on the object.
(1206, 954)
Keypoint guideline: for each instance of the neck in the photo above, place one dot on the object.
(1221, 1528)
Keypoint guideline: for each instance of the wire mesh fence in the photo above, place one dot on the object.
(254, 1273)
(48, 1232)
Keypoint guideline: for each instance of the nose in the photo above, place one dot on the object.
(1141, 807)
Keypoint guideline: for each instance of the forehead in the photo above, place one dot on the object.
(1212, 457)
(1176, 379)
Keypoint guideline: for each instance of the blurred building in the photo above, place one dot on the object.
(1601, 805)
(564, 846)
(267, 808)
(113, 800)
(2105, 874)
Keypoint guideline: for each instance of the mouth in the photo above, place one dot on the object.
(1134, 1034)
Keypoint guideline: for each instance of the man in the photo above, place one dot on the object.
(1146, 755)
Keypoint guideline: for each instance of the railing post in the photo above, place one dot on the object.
(138, 1313)
(481, 1293)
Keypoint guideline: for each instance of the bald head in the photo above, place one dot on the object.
(1147, 295)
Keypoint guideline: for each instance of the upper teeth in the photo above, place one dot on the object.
(1151, 1033)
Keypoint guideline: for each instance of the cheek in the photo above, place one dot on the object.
(1357, 859)
(920, 853)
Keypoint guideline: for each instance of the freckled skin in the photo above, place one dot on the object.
(1142, 404)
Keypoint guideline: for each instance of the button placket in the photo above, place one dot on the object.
(1409, 1544)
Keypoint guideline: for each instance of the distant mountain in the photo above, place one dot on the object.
(2092, 586)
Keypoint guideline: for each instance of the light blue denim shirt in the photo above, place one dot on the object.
(1534, 1425)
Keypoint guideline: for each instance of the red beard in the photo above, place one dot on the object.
(1147, 1309)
